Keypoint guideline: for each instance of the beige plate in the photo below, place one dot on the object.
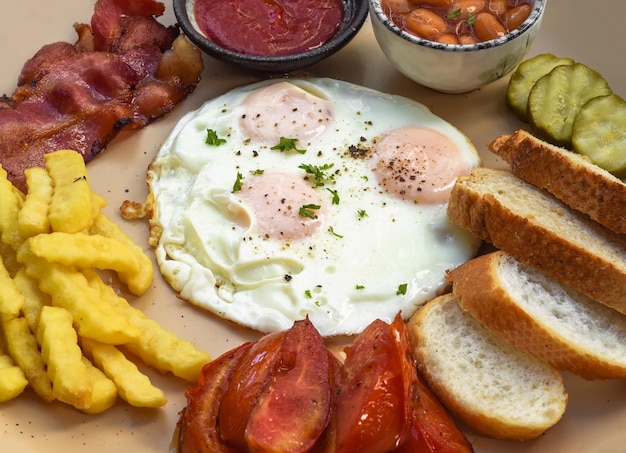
(596, 415)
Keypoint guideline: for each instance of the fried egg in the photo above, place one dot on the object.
(308, 197)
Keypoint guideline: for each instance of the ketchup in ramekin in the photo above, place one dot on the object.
(269, 27)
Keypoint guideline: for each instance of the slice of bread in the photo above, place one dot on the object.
(492, 387)
(542, 317)
(569, 176)
(539, 230)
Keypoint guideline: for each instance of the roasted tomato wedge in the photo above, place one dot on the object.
(249, 379)
(374, 406)
(197, 425)
(280, 397)
(296, 403)
(433, 429)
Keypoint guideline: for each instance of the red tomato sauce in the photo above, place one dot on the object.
(269, 27)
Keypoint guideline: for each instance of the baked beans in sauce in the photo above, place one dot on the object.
(458, 21)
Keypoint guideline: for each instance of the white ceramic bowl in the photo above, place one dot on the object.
(454, 68)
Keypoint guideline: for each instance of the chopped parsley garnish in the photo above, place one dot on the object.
(307, 294)
(212, 138)
(335, 196)
(237, 184)
(308, 210)
(362, 213)
(332, 231)
(318, 173)
(454, 14)
(471, 19)
(258, 171)
(401, 289)
(288, 144)
(359, 287)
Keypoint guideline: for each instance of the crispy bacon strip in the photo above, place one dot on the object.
(124, 71)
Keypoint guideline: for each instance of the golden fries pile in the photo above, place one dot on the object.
(64, 332)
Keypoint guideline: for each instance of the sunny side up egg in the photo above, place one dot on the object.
(317, 197)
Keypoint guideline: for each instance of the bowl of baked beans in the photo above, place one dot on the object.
(455, 46)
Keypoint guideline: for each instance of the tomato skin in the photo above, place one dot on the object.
(248, 380)
(327, 441)
(374, 406)
(433, 429)
(197, 425)
(295, 405)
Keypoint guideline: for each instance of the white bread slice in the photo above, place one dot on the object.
(539, 230)
(542, 317)
(488, 384)
(569, 176)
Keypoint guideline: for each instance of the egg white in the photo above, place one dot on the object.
(352, 270)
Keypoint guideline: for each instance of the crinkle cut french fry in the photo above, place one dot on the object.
(12, 380)
(139, 282)
(104, 390)
(24, 350)
(34, 298)
(70, 207)
(11, 300)
(32, 219)
(68, 288)
(156, 346)
(97, 203)
(10, 205)
(83, 250)
(60, 351)
(9, 257)
(133, 386)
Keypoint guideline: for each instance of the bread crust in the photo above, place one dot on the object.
(478, 286)
(543, 232)
(480, 412)
(570, 177)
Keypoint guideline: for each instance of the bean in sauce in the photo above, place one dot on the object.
(458, 21)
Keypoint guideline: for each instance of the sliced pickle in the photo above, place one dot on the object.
(556, 98)
(525, 76)
(599, 133)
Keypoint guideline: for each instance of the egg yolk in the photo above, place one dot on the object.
(284, 110)
(417, 164)
(285, 207)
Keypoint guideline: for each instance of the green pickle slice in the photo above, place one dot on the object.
(599, 132)
(556, 98)
(525, 77)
